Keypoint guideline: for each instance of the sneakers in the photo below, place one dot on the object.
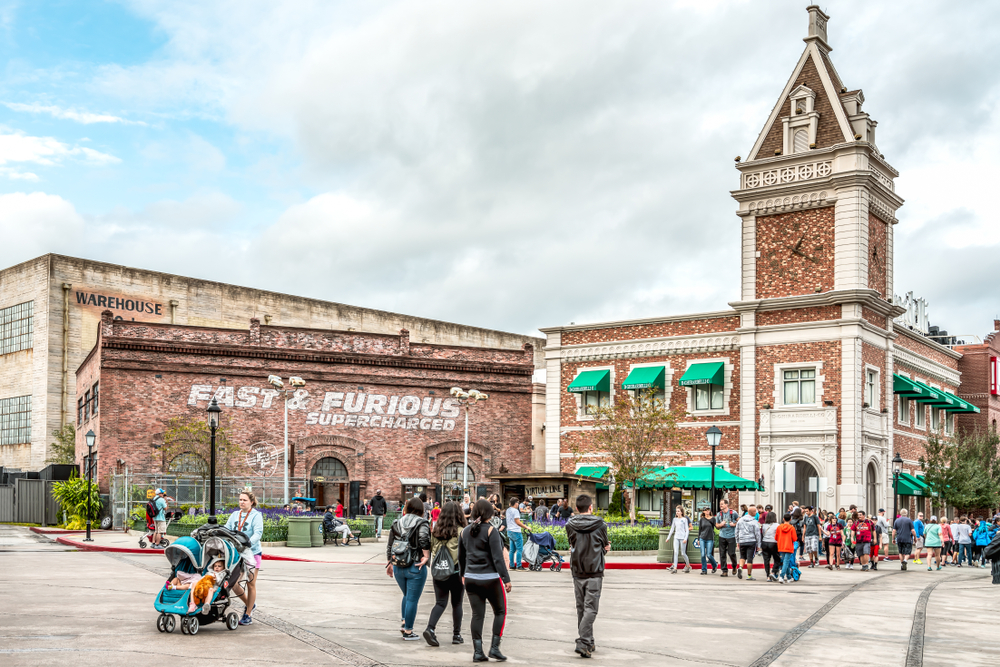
(714, 568)
(429, 637)
(903, 567)
(246, 620)
(750, 576)
(673, 570)
(410, 636)
(582, 650)
(916, 561)
(781, 580)
(456, 638)
(864, 568)
(829, 567)
(687, 568)
(725, 573)
(739, 572)
(705, 572)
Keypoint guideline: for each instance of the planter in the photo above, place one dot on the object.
(299, 532)
(316, 530)
(665, 554)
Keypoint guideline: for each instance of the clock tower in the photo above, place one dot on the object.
(817, 204)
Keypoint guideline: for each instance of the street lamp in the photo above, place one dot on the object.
(91, 438)
(468, 399)
(897, 464)
(713, 435)
(214, 411)
(295, 383)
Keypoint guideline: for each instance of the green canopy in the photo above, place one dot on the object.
(693, 477)
(597, 472)
(961, 405)
(646, 377)
(591, 381)
(922, 393)
(923, 480)
(911, 486)
(707, 373)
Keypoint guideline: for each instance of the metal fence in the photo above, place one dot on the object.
(28, 501)
(130, 492)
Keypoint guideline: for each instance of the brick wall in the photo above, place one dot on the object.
(814, 314)
(877, 255)
(924, 347)
(873, 356)
(652, 330)
(873, 317)
(780, 272)
(975, 368)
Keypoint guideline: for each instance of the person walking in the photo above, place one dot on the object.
(905, 534)
(680, 528)
(706, 541)
(769, 546)
(918, 539)
(863, 533)
(445, 571)
(588, 542)
(435, 514)
(249, 521)
(797, 524)
(954, 540)
(964, 538)
(161, 502)
(541, 512)
(480, 561)
(810, 534)
(514, 526)
(725, 521)
(946, 542)
(748, 536)
(378, 509)
(835, 541)
(785, 534)
(933, 542)
(882, 530)
(407, 561)
(980, 540)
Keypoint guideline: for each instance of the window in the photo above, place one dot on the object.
(658, 395)
(86, 405)
(188, 463)
(328, 468)
(904, 410)
(15, 420)
(800, 140)
(800, 386)
(921, 417)
(949, 423)
(935, 419)
(871, 389)
(707, 397)
(603, 499)
(589, 400)
(16, 327)
(79, 412)
(649, 500)
(453, 473)
(94, 400)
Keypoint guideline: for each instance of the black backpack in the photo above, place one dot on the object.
(443, 566)
(151, 510)
(404, 547)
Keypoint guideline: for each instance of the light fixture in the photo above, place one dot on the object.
(713, 435)
(275, 381)
(897, 462)
(91, 437)
(213, 411)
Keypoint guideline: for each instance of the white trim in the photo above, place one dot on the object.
(727, 387)
(647, 347)
(832, 94)
(712, 315)
(779, 387)
(553, 403)
(877, 406)
(922, 364)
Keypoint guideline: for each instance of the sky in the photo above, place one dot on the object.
(510, 165)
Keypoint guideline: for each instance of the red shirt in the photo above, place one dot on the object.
(339, 512)
(435, 513)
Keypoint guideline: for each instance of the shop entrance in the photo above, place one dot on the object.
(798, 480)
(329, 482)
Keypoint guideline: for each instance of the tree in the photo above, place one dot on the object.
(964, 471)
(192, 437)
(634, 431)
(63, 450)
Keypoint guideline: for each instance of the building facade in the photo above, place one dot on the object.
(375, 410)
(803, 373)
(50, 308)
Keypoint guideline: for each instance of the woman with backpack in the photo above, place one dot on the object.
(980, 540)
(445, 572)
(835, 541)
(484, 573)
(408, 550)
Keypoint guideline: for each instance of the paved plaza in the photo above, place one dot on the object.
(62, 606)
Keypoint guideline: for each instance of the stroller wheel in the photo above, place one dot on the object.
(193, 625)
(556, 567)
(184, 626)
(164, 543)
(169, 623)
(142, 543)
(232, 620)
(160, 622)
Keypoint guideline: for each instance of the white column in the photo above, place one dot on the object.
(748, 405)
(553, 397)
(851, 239)
(749, 258)
(850, 433)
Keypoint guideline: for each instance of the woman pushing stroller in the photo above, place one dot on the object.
(249, 521)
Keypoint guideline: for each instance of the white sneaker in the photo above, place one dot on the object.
(781, 581)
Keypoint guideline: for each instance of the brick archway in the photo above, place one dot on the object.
(321, 446)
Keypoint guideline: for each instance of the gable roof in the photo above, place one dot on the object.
(815, 71)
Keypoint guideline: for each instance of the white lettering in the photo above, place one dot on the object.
(387, 422)
(337, 419)
(299, 400)
(375, 421)
(449, 424)
(375, 403)
(247, 397)
(324, 419)
(428, 411)
(425, 423)
(450, 407)
(268, 395)
(409, 405)
(400, 422)
(350, 405)
(436, 424)
(224, 395)
(351, 420)
(393, 400)
(412, 423)
(199, 392)
(313, 418)
(333, 399)
(362, 420)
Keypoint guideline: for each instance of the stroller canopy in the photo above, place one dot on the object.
(184, 549)
(543, 540)
(220, 547)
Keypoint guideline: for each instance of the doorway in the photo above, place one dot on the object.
(871, 489)
(801, 483)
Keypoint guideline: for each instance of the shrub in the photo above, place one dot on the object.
(72, 498)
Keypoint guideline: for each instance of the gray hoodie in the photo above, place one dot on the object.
(748, 530)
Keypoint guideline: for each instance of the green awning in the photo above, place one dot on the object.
(911, 486)
(591, 381)
(922, 480)
(922, 393)
(597, 472)
(961, 406)
(906, 386)
(646, 377)
(707, 373)
(694, 477)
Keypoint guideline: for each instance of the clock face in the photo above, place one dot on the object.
(877, 258)
(797, 252)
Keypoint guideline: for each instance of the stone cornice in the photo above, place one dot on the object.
(865, 297)
(902, 355)
(647, 347)
(923, 340)
(648, 320)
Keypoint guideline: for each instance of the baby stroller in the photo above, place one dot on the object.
(193, 555)
(541, 549)
(151, 528)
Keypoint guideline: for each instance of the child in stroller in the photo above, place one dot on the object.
(209, 554)
(541, 549)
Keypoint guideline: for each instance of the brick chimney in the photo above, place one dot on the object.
(996, 325)
(404, 341)
(107, 319)
(255, 331)
(529, 352)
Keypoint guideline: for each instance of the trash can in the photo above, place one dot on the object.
(299, 529)
(316, 532)
(665, 553)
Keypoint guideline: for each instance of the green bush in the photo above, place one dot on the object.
(72, 498)
(622, 538)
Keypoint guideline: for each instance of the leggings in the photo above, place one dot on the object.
(479, 592)
(451, 587)
(681, 548)
(769, 551)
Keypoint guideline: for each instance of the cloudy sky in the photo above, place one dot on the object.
(503, 164)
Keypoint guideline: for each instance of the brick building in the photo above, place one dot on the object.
(806, 371)
(50, 307)
(375, 411)
(980, 368)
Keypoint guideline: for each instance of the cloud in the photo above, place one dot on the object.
(19, 147)
(84, 117)
(37, 223)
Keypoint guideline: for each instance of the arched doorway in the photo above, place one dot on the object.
(451, 481)
(801, 483)
(330, 482)
(871, 489)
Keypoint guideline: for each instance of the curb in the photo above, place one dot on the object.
(55, 531)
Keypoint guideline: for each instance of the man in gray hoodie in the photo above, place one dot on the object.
(588, 542)
(748, 538)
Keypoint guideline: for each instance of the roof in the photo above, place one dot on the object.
(694, 477)
(414, 481)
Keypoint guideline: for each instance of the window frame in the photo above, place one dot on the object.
(798, 380)
(727, 388)
(903, 410)
(17, 327)
(95, 399)
(579, 398)
(920, 422)
(15, 420)
(872, 393)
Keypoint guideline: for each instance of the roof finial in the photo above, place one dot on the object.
(817, 26)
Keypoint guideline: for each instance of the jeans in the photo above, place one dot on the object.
(378, 524)
(707, 548)
(588, 598)
(786, 563)
(516, 545)
(965, 553)
(411, 582)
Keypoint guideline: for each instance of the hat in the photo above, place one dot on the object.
(880, 510)
(160, 492)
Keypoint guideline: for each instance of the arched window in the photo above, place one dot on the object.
(871, 490)
(188, 463)
(453, 473)
(330, 468)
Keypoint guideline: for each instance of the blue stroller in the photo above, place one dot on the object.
(194, 555)
(541, 549)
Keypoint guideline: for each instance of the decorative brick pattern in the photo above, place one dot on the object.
(877, 255)
(793, 316)
(782, 272)
(925, 348)
(657, 330)
(873, 317)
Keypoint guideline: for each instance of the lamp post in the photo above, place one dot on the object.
(713, 435)
(897, 464)
(295, 382)
(91, 438)
(467, 399)
(214, 411)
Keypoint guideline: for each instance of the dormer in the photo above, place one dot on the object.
(802, 122)
(861, 123)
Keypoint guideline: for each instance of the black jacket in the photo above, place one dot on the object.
(482, 553)
(378, 505)
(587, 536)
(401, 528)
